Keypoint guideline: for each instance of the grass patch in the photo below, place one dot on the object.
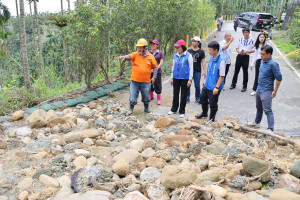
(285, 45)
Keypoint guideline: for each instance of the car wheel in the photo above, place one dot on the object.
(250, 27)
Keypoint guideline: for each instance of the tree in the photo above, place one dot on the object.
(23, 46)
(294, 4)
(39, 46)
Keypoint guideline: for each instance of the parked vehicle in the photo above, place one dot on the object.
(255, 20)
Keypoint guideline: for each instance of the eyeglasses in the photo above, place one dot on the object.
(262, 54)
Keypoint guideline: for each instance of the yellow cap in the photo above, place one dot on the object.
(142, 42)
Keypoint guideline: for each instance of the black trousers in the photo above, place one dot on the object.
(241, 61)
(226, 71)
(257, 66)
(157, 84)
(179, 86)
(207, 97)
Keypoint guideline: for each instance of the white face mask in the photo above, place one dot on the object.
(141, 53)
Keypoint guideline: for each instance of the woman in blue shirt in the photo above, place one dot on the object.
(182, 75)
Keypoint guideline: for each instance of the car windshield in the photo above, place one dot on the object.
(261, 16)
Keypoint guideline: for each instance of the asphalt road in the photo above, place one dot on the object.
(286, 105)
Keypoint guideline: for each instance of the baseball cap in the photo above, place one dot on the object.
(196, 38)
(155, 42)
(179, 43)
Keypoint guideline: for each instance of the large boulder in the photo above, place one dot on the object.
(257, 167)
(282, 194)
(216, 148)
(164, 122)
(121, 167)
(18, 115)
(176, 176)
(207, 175)
(37, 119)
(80, 135)
(295, 170)
(171, 139)
(132, 155)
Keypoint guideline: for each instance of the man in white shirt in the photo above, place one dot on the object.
(244, 48)
(225, 51)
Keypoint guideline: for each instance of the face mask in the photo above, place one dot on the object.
(141, 53)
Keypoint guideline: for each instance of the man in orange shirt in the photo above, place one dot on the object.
(142, 62)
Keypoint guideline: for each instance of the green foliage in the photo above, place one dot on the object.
(284, 43)
(14, 98)
(294, 28)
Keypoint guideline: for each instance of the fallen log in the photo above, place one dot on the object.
(269, 133)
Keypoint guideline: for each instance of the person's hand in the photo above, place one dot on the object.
(121, 58)
(251, 68)
(231, 39)
(189, 83)
(204, 75)
(273, 94)
(172, 82)
(203, 84)
(152, 81)
(215, 91)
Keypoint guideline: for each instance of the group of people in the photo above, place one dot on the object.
(189, 65)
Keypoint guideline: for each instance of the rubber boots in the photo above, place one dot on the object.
(130, 111)
(158, 99)
(151, 96)
(146, 108)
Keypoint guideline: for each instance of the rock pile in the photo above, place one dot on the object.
(94, 151)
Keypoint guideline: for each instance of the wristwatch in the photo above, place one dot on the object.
(217, 87)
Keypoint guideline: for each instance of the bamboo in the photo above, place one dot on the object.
(269, 134)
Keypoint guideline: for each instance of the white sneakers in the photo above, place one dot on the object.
(252, 93)
(171, 113)
(253, 124)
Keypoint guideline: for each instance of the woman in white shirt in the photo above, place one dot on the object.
(260, 42)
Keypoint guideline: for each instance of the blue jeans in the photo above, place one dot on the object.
(264, 104)
(135, 88)
(196, 77)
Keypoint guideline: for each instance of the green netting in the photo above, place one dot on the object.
(72, 102)
(83, 99)
(57, 104)
(115, 86)
(29, 111)
(47, 107)
(110, 87)
(101, 91)
(93, 95)
(120, 85)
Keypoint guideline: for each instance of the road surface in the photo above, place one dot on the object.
(286, 105)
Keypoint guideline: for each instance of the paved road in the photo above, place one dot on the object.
(286, 105)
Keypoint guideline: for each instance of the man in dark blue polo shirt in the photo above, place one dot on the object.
(268, 72)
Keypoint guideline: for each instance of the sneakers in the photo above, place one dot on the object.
(181, 115)
(244, 90)
(231, 87)
(171, 112)
(200, 116)
(254, 124)
(252, 93)
(187, 101)
(197, 102)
